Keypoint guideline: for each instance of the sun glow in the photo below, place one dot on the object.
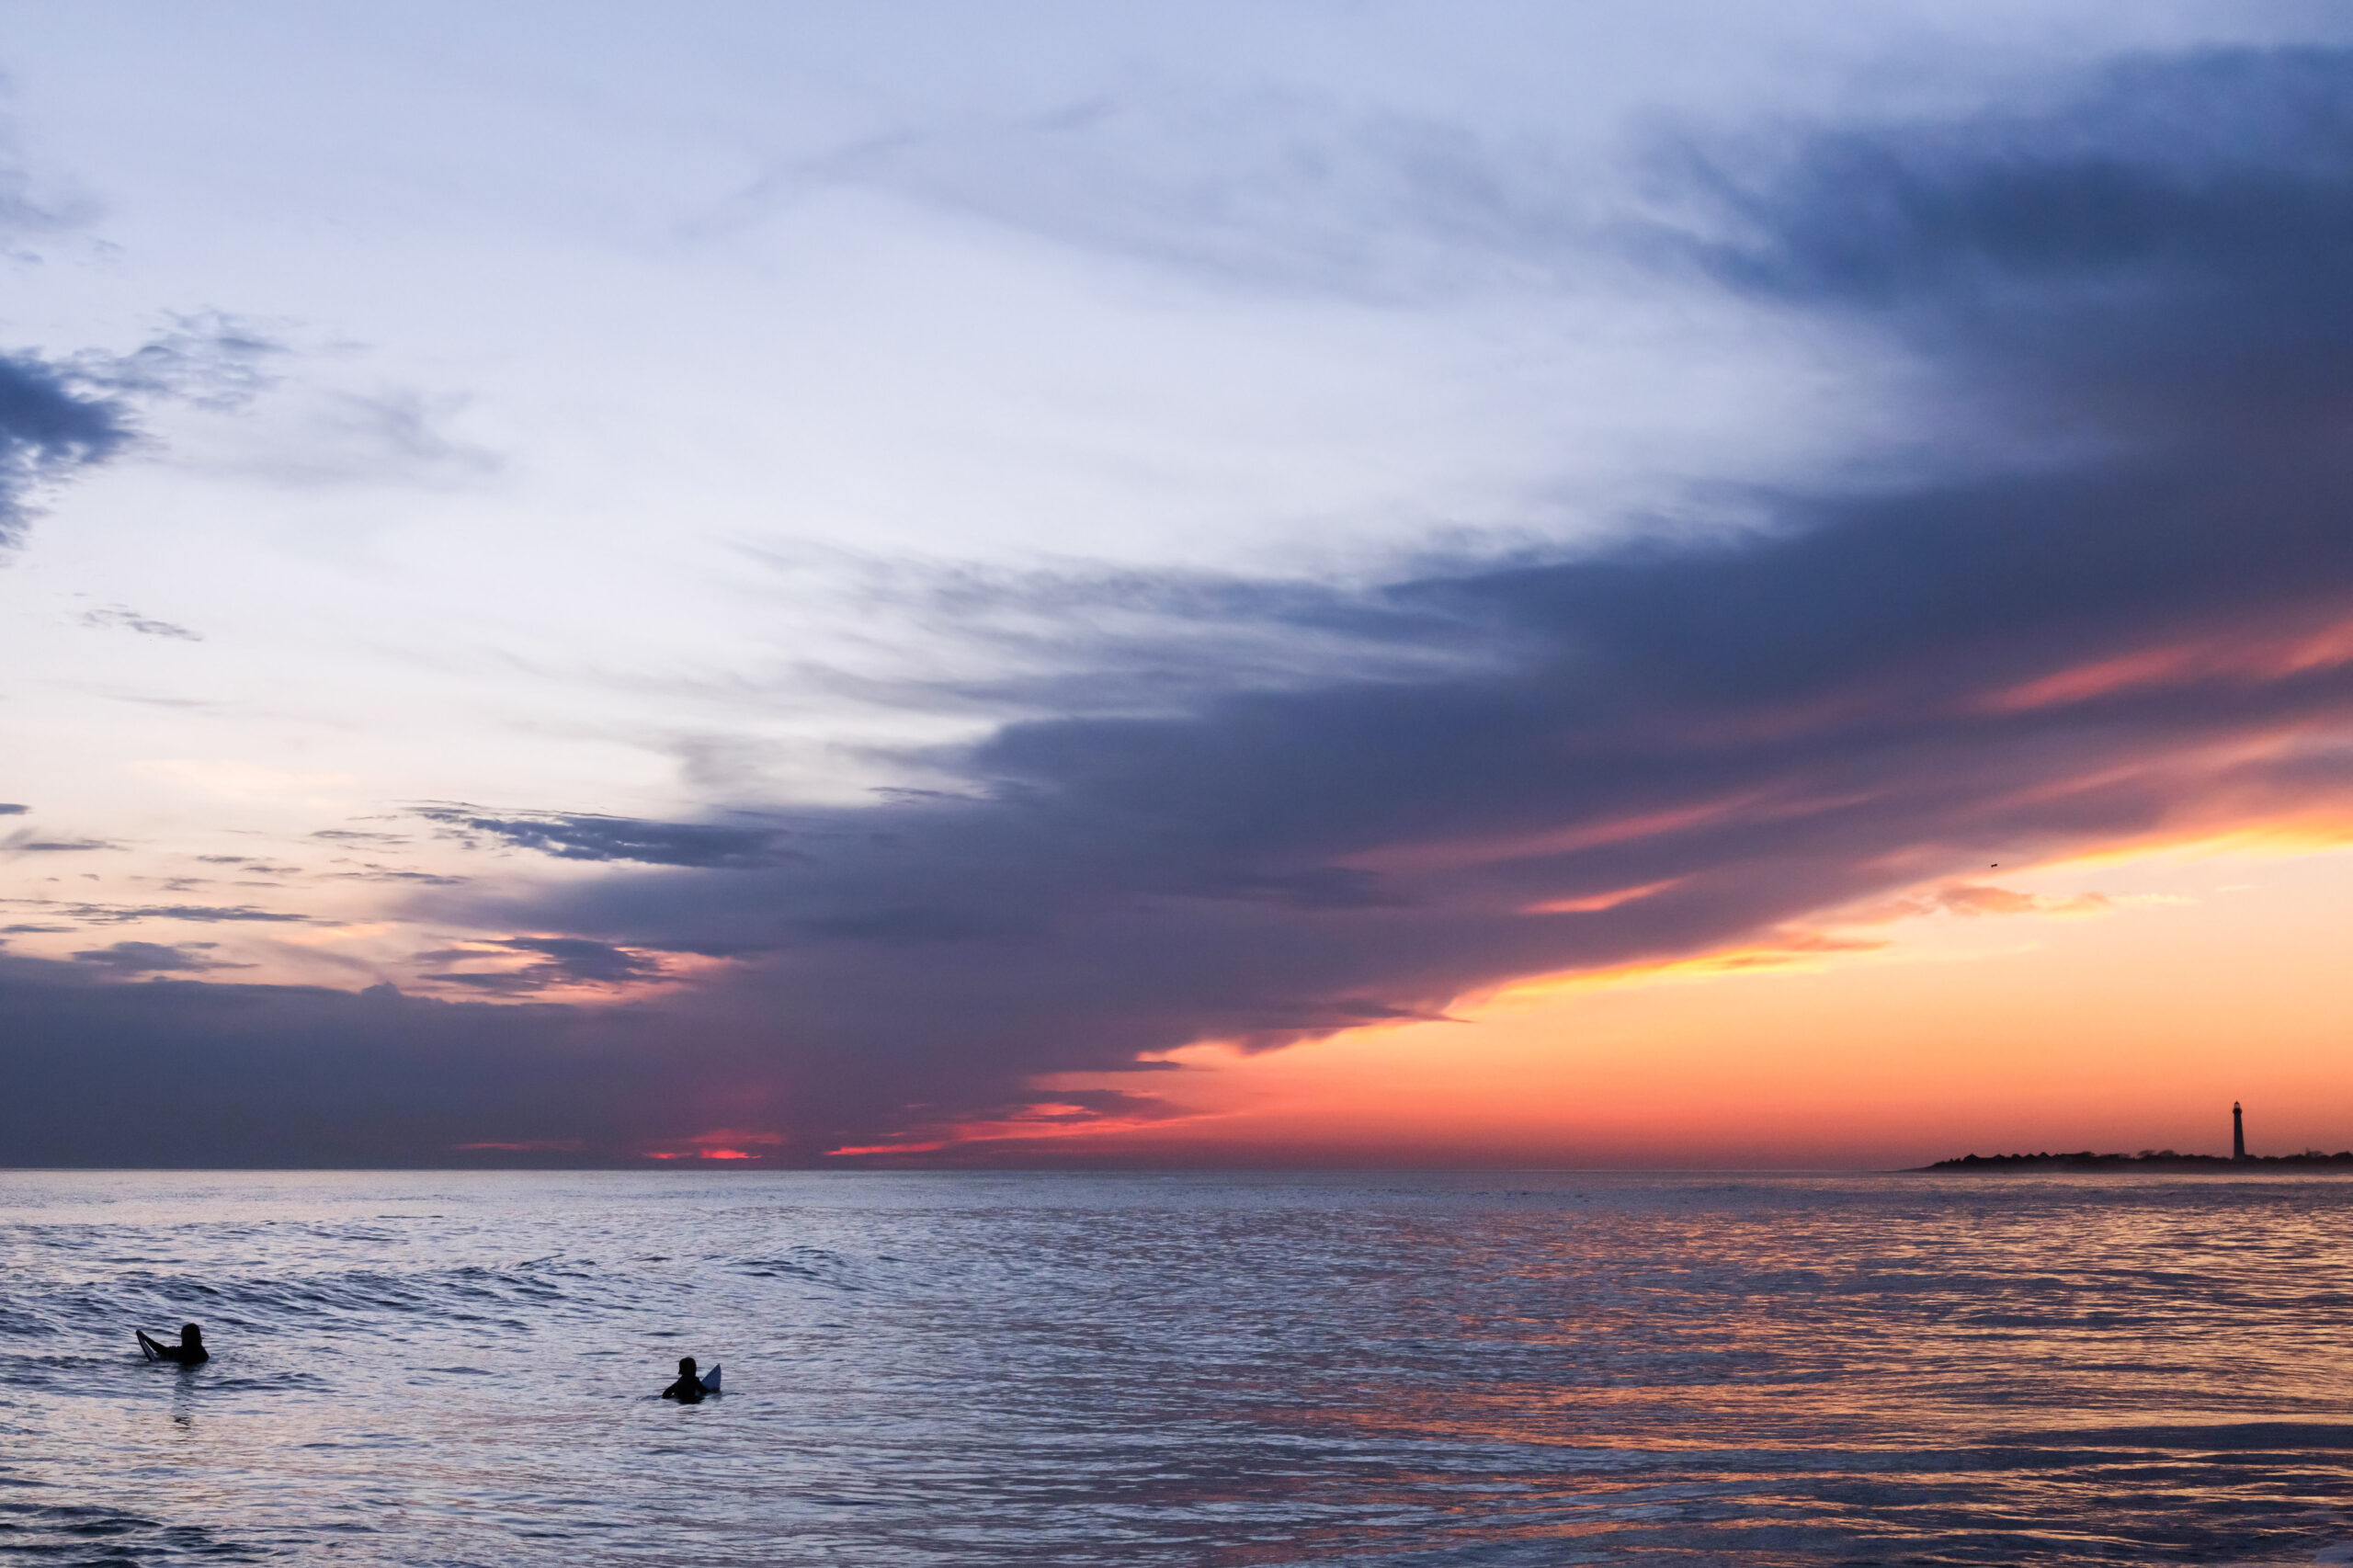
(2045, 1010)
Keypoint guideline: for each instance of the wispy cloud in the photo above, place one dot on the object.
(197, 914)
(24, 841)
(206, 359)
(1273, 189)
(119, 617)
(588, 836)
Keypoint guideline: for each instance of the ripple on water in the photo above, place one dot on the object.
(978, 1370)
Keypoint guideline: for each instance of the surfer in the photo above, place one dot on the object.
(688, 1389)
(188, 1352)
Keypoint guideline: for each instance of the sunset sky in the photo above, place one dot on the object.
(1302, 584)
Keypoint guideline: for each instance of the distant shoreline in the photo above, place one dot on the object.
(2163, 1160)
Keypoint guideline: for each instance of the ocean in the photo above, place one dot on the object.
(926, 1369)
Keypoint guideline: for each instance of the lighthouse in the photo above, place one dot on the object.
(2238, 1132)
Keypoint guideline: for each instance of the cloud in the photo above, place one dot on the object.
(388, 436)
(22, 842)
(1973, 899)
(381, 874)
(1018, 641)
(562, 961)
(10, 809)
(2119, 604)
(587, 836)
(119, 617)
(26, 208)
(206, 359)
(1760, 724)
(53, 424)
(1976, 899)
(1281, 188)
(151, 958)
(200, 913)
(61, 415)
(2155, 258)
(191, 1069)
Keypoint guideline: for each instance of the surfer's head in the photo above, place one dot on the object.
(191, 1335)
(685, 1365)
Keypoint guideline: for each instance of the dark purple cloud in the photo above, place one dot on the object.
(202, 914)
(2113, 603)
(178, 1071)
(560, 961)
(52, 423)
(587, 836)
(62, 416)
(154, 958)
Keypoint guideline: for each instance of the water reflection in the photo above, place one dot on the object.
(973, 1371)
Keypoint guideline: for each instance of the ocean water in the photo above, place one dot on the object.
(932, 1370)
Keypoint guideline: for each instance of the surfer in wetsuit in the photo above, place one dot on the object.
(188, 1352)
(688, 1389)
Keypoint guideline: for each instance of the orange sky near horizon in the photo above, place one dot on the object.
(2122, 1003)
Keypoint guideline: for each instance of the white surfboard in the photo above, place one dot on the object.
(711, 1381)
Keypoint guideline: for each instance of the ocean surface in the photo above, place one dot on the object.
(970, 1369)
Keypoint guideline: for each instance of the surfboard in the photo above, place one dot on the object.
(711, 1381)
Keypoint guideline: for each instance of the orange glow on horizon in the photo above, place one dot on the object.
(1045, 1120)
(1960, 1016)
(721, 1144)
